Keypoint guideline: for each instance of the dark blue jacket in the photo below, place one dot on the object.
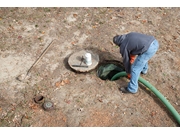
(133, 43)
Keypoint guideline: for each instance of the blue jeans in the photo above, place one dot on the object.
(141, 65)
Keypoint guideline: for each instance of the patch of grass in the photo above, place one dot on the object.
(47, 21)
(178, 76)
(4, 123)
(47, 9)
(78, 101)
(79, 26)
(137, 125)
(64, 21)
(103, 11)
(101, 22)
(109, 84)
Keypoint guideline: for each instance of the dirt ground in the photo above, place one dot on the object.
(83, 99)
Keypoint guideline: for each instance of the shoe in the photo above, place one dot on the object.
(124, 90)
(143, 72)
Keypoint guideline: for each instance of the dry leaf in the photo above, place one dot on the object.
(62, 83)
(57, 84)
(153, 113)
(19, 37)
(100, 100)
(66, 81)
(138, 16)
(26, 116)
(67, 101)
(64, 119)
(144, 21)
(33, 106)
(74, 15)
(74, 42)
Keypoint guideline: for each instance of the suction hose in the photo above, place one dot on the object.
(155, 91)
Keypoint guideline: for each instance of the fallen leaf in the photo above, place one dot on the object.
(64, 119)
(62, 83)
(138, 16)
(153, 113)
(144, 21)
(19, 37)
(73, 43)
(174, 37)
(66, 81)
(100, 100)
(67, 101)
(74, 15)
(26, 116)
(33, 106)
(121, 13)
(57, 84)
(109, 10)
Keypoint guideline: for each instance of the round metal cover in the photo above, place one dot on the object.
(48, 105)
(76, 61)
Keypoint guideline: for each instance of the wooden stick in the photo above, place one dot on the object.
(35, 63)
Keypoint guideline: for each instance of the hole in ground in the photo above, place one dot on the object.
(108, 68)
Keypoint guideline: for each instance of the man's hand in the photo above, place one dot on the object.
(129, 76)
(132, 58)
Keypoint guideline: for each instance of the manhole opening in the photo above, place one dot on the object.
(39, 99)
(108, 69)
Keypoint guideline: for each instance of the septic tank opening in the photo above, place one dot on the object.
(108, 69)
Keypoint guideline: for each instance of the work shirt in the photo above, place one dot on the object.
(135, 44)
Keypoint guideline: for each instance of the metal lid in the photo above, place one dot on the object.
(48, 105)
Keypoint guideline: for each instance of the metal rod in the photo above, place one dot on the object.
(40, 57)
(79, 66)
(81, 60)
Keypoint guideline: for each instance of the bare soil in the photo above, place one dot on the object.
(83, 99)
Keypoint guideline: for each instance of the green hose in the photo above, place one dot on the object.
(155, 91)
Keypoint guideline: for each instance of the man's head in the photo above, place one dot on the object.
(118, 39)
(115, 40)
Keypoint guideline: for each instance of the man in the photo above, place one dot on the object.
(131, 45)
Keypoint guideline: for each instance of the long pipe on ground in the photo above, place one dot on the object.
(155, 91)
